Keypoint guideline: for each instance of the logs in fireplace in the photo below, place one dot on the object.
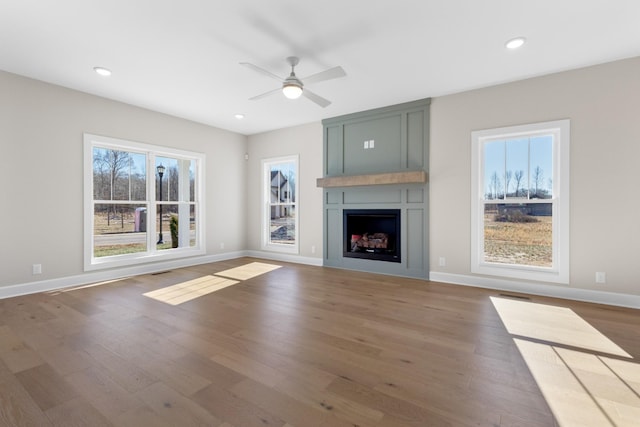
(369, 241)
(372, 234)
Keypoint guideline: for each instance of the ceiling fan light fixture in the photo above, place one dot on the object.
(292, 90)
(104, 72)
(515, 43)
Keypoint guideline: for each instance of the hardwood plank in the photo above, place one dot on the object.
(126, 374)
(181, 377)
(334, 407)
(395, 410)
(39, 338)
(141, 416)
(76, 413)
(229, 407)
(17, 408)
(174, 408)
(444, 401)
(46, 387)
(15, 355)
(249, 368)
(208, 369)
(102, 392)
(65, 359)
(293, 411)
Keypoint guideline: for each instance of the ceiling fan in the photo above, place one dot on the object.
(292, 86)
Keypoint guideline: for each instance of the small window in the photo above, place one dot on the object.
(141, 203)
(280, 196)
(520, 202)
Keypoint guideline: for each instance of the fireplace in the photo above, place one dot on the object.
(372, 234)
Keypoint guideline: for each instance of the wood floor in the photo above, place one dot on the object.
(277, 344)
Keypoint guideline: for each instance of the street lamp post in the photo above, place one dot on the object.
(160, 170)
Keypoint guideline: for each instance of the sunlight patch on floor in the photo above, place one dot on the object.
(583, 389)
(559, 325)
(192, 289)
(248, 271)
(187, 291)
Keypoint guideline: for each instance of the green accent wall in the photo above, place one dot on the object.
(390, 139)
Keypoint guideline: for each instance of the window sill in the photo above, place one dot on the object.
(130, 260)
(522, 272)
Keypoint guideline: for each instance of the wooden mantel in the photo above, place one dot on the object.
(412, 177)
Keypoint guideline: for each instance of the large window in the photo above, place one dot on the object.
(280, 201)
(520, 202)
(142, 202)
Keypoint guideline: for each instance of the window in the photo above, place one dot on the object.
(520, 202)
(280, 196)
(142, 202)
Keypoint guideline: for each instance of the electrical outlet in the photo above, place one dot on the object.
(601, 277)
(313, 249)
(37, 269)
(442, 262)
(221, 245)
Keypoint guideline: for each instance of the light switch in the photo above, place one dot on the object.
(371, 143)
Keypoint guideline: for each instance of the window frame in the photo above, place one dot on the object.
(267, 245)
(559, 271)
(151, 254)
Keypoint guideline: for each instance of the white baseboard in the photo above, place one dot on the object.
(112, 274)
(543, 289)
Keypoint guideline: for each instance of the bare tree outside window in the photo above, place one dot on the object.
(518, 175)
(538, 179)
(508, 175)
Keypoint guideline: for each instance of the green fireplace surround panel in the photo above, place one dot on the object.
(385, 140)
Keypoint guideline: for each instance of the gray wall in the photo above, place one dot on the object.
(603, 103)
(305, 141)
(41, 173)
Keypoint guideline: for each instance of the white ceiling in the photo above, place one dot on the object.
(181, 57)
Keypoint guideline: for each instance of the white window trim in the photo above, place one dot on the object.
(152, 151)
(266, 206)
(559, 272)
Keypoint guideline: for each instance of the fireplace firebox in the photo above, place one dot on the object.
(372, 234)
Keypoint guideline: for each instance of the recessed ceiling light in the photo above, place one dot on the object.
(515, 43)
(102, 71)
(239, 116)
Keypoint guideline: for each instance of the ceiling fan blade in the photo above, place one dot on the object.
(261, 71)
(264, 95)
(331, 73)
(316, 98)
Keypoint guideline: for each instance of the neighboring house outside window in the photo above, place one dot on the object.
(142, 202)
(520, 202)
(280, 223)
